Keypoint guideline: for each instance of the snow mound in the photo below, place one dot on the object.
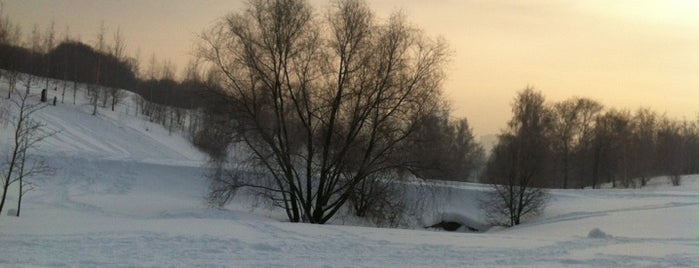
(454, 221)
(598, 234)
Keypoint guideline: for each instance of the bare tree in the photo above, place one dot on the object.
(27, 134)
(34, 39)
(117, 95)
(167, 70)
(94, 91)
(322, 105)
(136, 64)
(118, 48)
(75, 89)
(583, 154)
(517, 162)
(49, 43)
(566, 118)
(674, 146)
(444, 149)
(643, 145)
(380, 199)
(192, 71)
(74, 71)
(64, 65)
(117, 51)
(153, 68)
(12, 75)
(34, 44)
(12, 78)
(572, 124)
(611, 158)
(692, 149)
(168, 73)
(469, 155)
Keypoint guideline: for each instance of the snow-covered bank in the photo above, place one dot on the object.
(182, 235)
(126, 193)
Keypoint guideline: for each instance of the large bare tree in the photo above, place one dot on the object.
(322, 102)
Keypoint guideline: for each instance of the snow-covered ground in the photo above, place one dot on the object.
(127, 194)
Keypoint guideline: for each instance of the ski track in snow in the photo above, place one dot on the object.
(146, 249)
(126, 193)
(573, 216)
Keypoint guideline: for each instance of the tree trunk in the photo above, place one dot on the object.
(565, 170)
(8, 179)
(12, 86)
(595, 169)
(75, 90)
(19, 200)
(63, 94)
(21, 183)
(4, 195)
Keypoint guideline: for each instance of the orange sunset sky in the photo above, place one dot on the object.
(623, 53)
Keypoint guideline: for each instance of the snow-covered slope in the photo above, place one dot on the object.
(114, 135)
(128, 194)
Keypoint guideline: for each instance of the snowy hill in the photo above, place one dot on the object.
(126, 193)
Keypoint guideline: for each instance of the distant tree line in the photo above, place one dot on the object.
(582, 144)
(105, 66)
(577, 143)
(78, 62)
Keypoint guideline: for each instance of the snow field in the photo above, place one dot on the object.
(126, 193)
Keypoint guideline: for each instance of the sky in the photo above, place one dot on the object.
(623, 53)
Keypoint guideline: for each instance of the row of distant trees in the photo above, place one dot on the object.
(104, 67)
(582, 144)
(578, 143)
